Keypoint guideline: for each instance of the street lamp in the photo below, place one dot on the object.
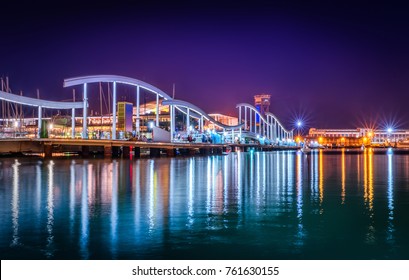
(299, 126)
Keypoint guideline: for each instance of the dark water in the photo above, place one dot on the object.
(263, 205)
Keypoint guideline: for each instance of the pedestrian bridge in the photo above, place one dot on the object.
(252, 127)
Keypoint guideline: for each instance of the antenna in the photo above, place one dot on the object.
(173, 95)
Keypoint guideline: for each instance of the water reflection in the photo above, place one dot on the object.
(84, 213)
(314, 175)
(321, 179)
(369, 194)
(299, 184)
(72, 197)
(15, 204)
(343, 176)
(391, 228)
(191, 187)
(38, 189)
(114, 209)
(138, 201)
(152, 195)
(269, 203)
(50, 211)
(238, 180)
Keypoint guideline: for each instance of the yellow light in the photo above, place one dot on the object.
(320, 139)
(342, 139)
(365, 139)
(369, 134)
(298, 139)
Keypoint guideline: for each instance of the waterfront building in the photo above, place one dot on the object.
(224, 119)
(357, 137)
(125, 121)
(99, 126)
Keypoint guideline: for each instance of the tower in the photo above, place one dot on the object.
(262, 103)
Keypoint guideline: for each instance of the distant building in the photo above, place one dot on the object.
(262, 103)
(357, 136)
(224, 119)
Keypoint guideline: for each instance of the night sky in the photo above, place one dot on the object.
(338, 65)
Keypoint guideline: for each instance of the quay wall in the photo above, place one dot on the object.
(48, 147)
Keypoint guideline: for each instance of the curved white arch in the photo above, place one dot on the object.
(252, 108)
(275, 126)
(276, 119)
(39, 102)
(114, 78)
(85, 80)
(196, 109)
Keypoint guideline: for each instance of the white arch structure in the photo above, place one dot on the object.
(114, 79)
(185, 107)
(195, 112)
(268, 126)
(41, 103)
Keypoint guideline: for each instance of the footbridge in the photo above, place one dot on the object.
(251, 125)
(40, 104)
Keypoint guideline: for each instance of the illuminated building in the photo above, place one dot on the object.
(224, 119)
(125, 112)
(262, 103)
(357, 136)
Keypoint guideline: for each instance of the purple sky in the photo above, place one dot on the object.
(335, 65)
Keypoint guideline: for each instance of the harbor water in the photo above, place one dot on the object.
(253, 205)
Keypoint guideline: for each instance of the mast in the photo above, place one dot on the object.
(109, 101)
(2, 102)
(8, 103)
(100, 103)
(173, 92)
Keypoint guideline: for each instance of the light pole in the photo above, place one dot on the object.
(389, 130)
(299, 126)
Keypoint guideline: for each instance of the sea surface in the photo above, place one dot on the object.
(255, 205)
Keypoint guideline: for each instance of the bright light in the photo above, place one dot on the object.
(50, 126)
(16, 124)
(320, 140)
(258, 136)
(389, 129)
(151, 125)
(191, 127)
(370, 134)
(299, 123)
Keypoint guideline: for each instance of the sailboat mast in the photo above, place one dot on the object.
(173, 95)
(100, 103)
